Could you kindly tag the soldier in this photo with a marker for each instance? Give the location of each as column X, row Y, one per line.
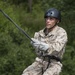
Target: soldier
column 49, row 44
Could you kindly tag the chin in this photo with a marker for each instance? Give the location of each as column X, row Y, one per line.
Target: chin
column 48, row 27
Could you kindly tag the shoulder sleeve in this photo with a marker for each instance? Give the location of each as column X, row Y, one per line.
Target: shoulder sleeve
column 36, row 35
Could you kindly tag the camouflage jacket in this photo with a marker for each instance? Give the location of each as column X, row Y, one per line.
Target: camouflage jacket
column 56, row 39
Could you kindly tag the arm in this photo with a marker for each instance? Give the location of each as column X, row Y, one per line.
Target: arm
column 56, row 45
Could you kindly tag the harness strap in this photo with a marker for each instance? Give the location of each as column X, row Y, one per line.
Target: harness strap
column 49, row 58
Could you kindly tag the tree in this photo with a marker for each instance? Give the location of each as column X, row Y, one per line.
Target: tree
column 30, row 5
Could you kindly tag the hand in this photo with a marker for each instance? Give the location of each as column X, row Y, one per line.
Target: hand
column 40, row 45
column 43, row 46
column 35, row 43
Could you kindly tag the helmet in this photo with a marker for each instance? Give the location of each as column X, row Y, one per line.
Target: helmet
column 53, row 13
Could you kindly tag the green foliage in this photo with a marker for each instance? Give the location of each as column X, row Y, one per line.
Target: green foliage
column 16, row 52
column 68, row 61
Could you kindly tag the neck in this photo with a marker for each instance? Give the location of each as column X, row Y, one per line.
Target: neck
column 47, row 30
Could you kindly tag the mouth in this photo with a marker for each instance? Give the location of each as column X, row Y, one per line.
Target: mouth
column 48, row 24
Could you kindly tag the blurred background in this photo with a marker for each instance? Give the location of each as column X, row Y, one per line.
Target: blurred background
column 16, row 52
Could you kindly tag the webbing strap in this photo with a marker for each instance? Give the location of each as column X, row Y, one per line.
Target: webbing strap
column 49, row 58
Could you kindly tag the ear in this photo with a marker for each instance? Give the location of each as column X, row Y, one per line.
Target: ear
column 57, row 21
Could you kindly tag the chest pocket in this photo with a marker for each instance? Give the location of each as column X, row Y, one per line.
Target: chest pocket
column 52, row 38
column 47, row 39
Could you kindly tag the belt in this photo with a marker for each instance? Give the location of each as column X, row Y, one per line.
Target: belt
column 49, row 60
column 52, row 57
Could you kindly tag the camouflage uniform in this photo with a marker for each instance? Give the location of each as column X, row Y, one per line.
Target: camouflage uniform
column 56, row 39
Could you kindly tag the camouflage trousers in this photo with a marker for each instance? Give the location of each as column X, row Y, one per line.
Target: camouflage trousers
column 36, row 68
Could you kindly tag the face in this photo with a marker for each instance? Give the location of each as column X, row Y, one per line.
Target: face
column 50, row 22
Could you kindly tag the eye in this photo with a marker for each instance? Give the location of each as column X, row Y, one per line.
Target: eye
column 51, row 18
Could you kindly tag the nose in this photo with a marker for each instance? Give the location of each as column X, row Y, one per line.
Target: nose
column 48, row 20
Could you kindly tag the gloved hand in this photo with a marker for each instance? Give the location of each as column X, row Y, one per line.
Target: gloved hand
column 43, row 46
column 35, row 43
column 40, row 45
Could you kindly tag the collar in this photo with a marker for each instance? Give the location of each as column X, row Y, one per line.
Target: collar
column 51, row 33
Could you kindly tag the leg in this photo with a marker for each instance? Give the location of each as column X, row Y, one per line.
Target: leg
column 53, row 70
column 34, row 69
